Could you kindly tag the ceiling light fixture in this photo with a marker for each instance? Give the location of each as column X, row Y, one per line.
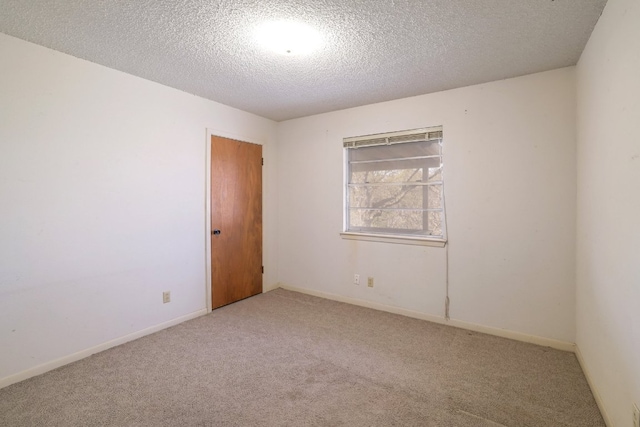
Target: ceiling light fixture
column 288, row 37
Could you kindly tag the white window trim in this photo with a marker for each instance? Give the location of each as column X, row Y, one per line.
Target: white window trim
column 396, row 238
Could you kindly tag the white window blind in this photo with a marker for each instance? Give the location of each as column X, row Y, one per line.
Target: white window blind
column 394, row 184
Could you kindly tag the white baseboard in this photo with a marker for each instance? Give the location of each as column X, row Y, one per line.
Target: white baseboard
column 504, row 333
column 48, row 366
column 594, row 390
column 269, row 288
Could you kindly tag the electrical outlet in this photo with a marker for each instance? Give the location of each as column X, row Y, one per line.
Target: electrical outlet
column 356, row 279
column 636, row 416
column 370, row 282
column 166, row 297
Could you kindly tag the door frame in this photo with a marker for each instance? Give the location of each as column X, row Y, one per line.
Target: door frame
column 207, row 202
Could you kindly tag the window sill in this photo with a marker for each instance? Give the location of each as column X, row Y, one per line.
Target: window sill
column 402, row 240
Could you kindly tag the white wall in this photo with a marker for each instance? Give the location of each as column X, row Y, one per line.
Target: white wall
column 510, row 185
column 608, row 249
column 102, row 201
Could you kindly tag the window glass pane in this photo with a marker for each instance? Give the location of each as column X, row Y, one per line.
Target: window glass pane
column 386, row 221
column 434, row 174
column 387, row 196
column 435, row 223
column 410, row 222
column 434, row 196
column 394, row 175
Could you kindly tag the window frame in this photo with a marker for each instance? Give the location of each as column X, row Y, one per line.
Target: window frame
column 394, row 235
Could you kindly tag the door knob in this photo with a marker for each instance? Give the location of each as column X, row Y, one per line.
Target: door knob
column 216, row 232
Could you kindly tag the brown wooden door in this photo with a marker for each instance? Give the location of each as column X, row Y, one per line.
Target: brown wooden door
column 236, row 220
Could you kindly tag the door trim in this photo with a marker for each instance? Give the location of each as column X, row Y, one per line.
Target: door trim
column 207, row 201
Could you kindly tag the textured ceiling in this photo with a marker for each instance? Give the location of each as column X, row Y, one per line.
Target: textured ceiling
column 372, row 51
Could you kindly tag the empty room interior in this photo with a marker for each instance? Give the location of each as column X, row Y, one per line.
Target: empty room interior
column 323, row 213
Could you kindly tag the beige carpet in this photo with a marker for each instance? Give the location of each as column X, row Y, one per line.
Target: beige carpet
column 288, row 359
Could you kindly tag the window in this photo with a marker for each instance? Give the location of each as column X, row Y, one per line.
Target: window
column 394, row 185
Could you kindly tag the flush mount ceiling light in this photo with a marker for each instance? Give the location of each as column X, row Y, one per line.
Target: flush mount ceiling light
column 288, row 37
